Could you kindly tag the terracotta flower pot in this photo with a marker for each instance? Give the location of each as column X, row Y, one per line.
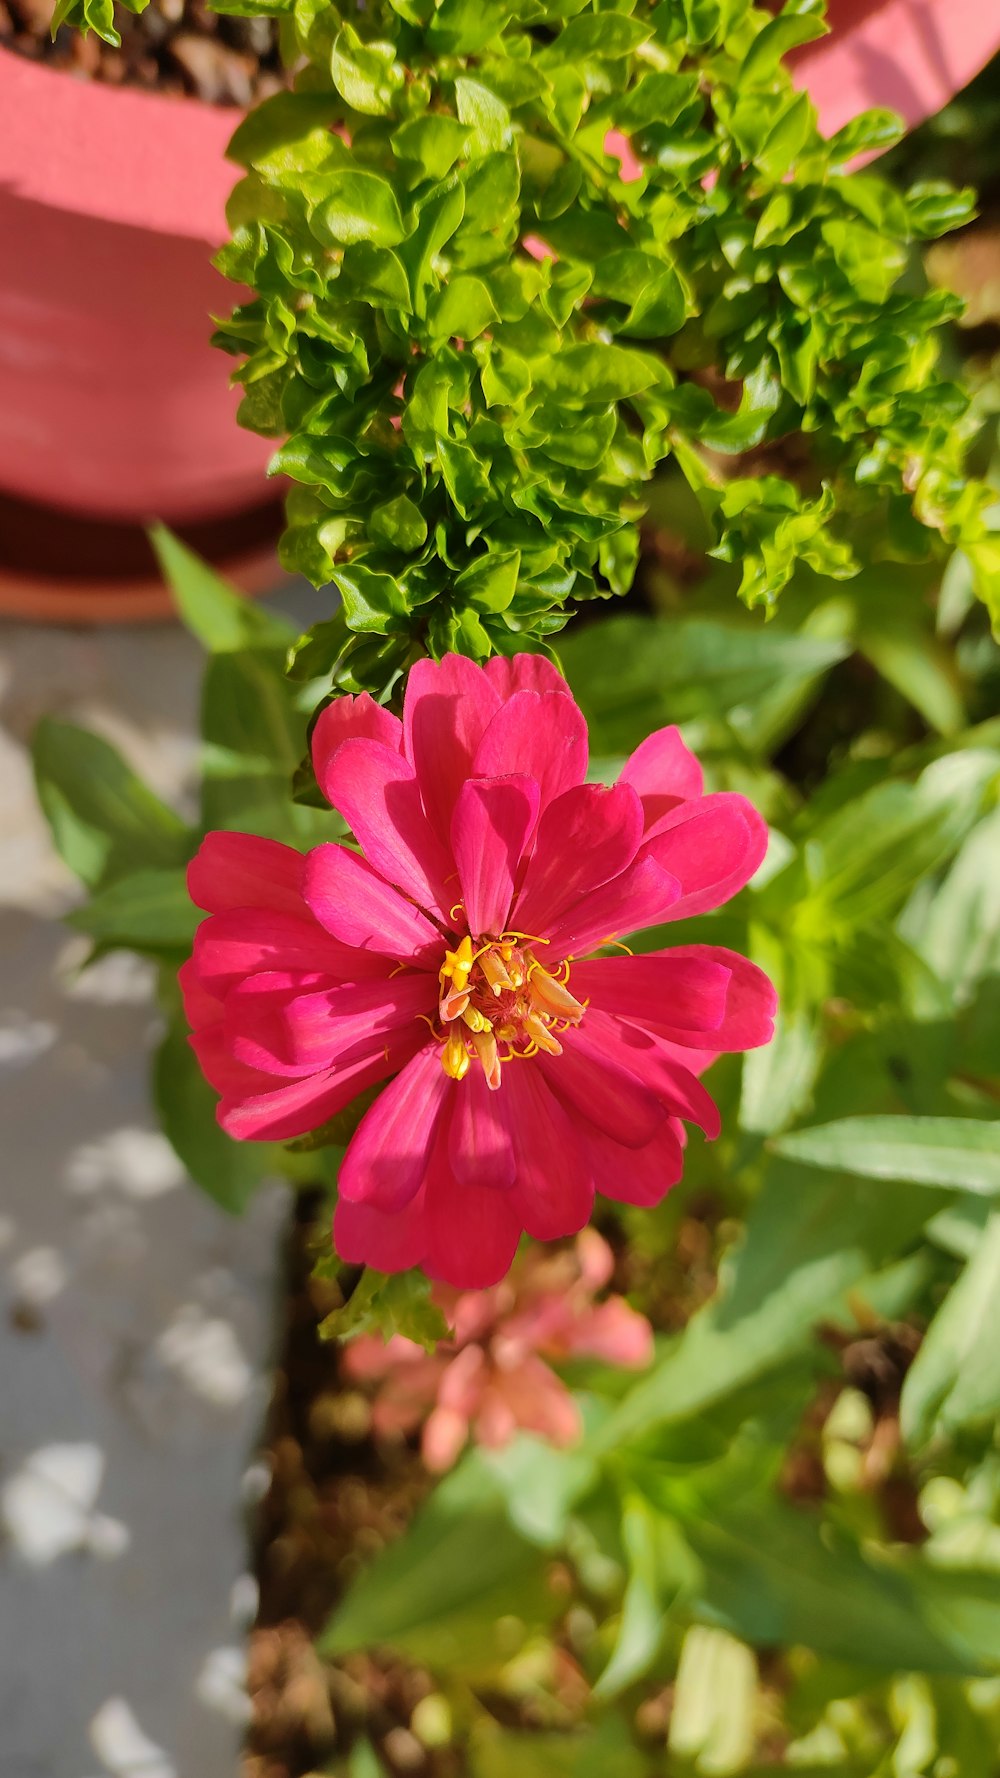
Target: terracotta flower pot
column 113, row 404
column 910, row 55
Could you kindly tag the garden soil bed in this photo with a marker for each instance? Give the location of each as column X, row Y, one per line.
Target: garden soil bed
column 336, row 1496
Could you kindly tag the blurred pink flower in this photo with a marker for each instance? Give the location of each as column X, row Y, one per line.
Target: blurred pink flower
column 492, row 1379
column 455, row 952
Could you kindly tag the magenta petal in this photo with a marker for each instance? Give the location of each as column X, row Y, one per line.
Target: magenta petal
column 590, row 1078
column 493, row 820
column 712, row 847
column 447, row 707
column 525, row 672
column 680, row 993
column 233, row 945
column 354, row 903
column 280, row 1029
column 587, row 836
column 664, row 772
column 541, row 733
column 390, row 1241
column 201, row 1006
column 653, row 1061
column 480, row 1145
column 351, row 719
column 751, row 1001
column 642, row 896
column 377, row 793
column 553, row 1191
column 240, row 870
column 635, row 1175
column 388, row 1154
column 471, row 1231
column 303, row 1105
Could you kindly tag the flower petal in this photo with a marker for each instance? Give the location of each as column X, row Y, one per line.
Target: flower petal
column 635, row 1175
column 641, row 896
column 664, row 772
column 524, row 672
column 553, row 1190
column 591, row 1079
column 751, row 1001
column 472, row 1232
column 350, row 719
column 587, row 836
column 652, row 1061
column 679, row 993
column 391, row 1241
column 272, row 1025
column 353, row 902
column 541, row 733
column 712, row 847
column 387, row 1158
column 229, row 946
column 305, row 1105
column 377, row 793
column 480, row 1143
column 446, row 709
column 493, row 820
column 240, row 870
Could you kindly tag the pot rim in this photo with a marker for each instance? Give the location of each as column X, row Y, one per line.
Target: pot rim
column 143, row 160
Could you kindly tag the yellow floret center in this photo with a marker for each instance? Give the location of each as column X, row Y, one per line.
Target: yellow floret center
column 499, row 1004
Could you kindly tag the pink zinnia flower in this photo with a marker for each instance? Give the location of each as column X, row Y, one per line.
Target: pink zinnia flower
column 456, row 953
column 491, row 1379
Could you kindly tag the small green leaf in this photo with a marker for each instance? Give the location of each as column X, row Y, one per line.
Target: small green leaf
column 148, row 911
column 219, row 616
column 388, row 1305
column 105, row 822
column 229, row 1172
column 359, row 207
column 954, row 1380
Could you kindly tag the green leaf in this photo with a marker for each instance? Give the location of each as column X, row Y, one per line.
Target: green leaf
column 359, row 207
column 463, row 309
column 254, row 737
column 632, row 674
column 774, row 1577
column 399, row 524
column 148, row 911
column 954, row 1381
column 605, row 1750
column 373, row 603
column 388, row 1304
column 959, row 1152
column 229, row 1172
column 440, row 1593
column 482, row 111
column 218, row 615
column 811, row 1249
column 105, row 822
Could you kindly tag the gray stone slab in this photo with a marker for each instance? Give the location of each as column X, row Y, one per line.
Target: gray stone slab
column 135, row 1318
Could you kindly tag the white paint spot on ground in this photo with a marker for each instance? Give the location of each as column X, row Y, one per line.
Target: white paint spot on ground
column 138, row 1163
column 47, row 1507
column 125, row 1750
column 204, row 1351
column 222, row 1685
column 38, row 1276
column 23, row 1039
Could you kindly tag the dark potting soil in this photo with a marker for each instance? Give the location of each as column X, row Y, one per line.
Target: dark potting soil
column 177, row 47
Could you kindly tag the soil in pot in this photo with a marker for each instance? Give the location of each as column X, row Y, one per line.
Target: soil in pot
column 174, row 47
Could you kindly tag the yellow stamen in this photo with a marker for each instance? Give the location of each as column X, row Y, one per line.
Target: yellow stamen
column 455, row 1058
column 541, row 1035
column 552, row 996
column 474, row 1019
column 485, row 1045
column 495, row 971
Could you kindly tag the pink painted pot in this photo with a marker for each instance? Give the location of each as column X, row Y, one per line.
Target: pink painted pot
column 112, row 402
column 910, row 55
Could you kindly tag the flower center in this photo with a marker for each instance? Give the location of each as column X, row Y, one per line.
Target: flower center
column 498, row 1004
